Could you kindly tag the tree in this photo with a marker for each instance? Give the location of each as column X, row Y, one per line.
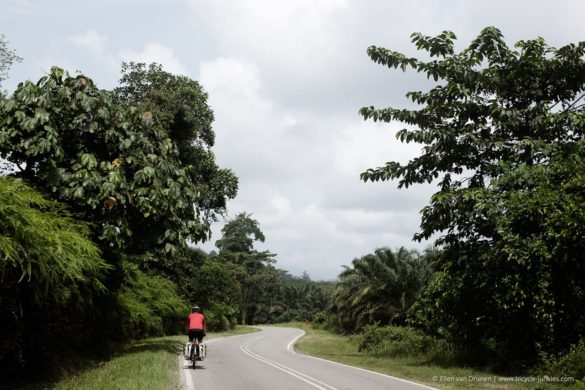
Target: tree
column 239, row 235
column 115, row 163
column 381, row 287
column 7, row 58
column 254, row 271
column 503, row 139
column 179, row 104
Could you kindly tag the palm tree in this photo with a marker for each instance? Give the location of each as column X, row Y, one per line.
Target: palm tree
column 381, row 287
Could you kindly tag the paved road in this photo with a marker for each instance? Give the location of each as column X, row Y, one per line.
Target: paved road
column 266, row 361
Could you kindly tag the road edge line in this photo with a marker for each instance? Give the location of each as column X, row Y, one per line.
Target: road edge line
column 290, row 347
column 186, row 379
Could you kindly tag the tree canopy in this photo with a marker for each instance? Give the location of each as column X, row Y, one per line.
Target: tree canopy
column 180, row 105
column 119, row 163
column 503, row 137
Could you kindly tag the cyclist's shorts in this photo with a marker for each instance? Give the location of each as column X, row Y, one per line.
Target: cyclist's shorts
column 195, row 333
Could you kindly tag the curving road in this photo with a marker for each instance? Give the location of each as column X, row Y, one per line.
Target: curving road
column 266, row 361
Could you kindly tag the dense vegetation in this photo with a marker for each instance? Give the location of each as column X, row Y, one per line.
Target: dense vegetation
column 503, row 138
column 105, row 188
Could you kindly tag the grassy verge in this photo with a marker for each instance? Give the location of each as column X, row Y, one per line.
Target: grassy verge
column 148, row 364
column 343, row 349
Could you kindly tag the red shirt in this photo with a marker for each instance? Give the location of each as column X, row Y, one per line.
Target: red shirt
column 196, row 321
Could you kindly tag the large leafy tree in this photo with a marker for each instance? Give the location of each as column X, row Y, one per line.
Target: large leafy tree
column 179, row 104
column 114, row 162
column 503, row 137
column 255, row 273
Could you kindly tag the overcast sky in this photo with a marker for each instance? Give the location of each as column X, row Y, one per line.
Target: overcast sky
column 286, row 80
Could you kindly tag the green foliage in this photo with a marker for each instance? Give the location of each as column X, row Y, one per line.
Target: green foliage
column 113, row 162
column 50, row 273
column 572, row 364
column 239, row 234
column 152, row 305
column 394, row 341
column 256, row 276
column 220, row 316
column 136, row 165
column 503, row 138
column 213, row 286
column 42, row 248
column 300, row 299
column 381, row 287
column 320, row 317
column 404, row 341
column 179, row 104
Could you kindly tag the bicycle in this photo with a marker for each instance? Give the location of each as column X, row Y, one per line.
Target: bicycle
column 198, row 354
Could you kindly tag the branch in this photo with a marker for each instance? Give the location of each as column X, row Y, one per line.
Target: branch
column 572, row 104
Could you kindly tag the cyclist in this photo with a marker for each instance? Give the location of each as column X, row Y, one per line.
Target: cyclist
column 196, row 329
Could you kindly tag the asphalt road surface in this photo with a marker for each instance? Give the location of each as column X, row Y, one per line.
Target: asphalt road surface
column 266, row 361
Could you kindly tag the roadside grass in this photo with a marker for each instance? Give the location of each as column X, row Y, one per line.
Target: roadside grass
column 344, row 349
column 146, row 364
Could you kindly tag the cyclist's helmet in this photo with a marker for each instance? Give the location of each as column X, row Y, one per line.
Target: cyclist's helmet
column 195, row 308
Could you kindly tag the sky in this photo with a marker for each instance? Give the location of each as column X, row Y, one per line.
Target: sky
column 286, row 80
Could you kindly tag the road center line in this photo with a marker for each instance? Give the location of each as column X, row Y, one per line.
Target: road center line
column 292, row 372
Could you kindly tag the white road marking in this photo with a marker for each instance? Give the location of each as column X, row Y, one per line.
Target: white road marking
column 186, row 373
column 290, row 347
column 292, row 372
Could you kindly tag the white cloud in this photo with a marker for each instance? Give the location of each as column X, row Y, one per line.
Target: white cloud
column 263, row 30
column 96, row 45
column 155, row 52
column 92, row 41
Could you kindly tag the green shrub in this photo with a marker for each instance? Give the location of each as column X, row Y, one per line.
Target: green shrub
column 395, row 341
column 220, row 316
column 320, row 317
column 152, row 304
column 326, row 321
column 570, row 365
